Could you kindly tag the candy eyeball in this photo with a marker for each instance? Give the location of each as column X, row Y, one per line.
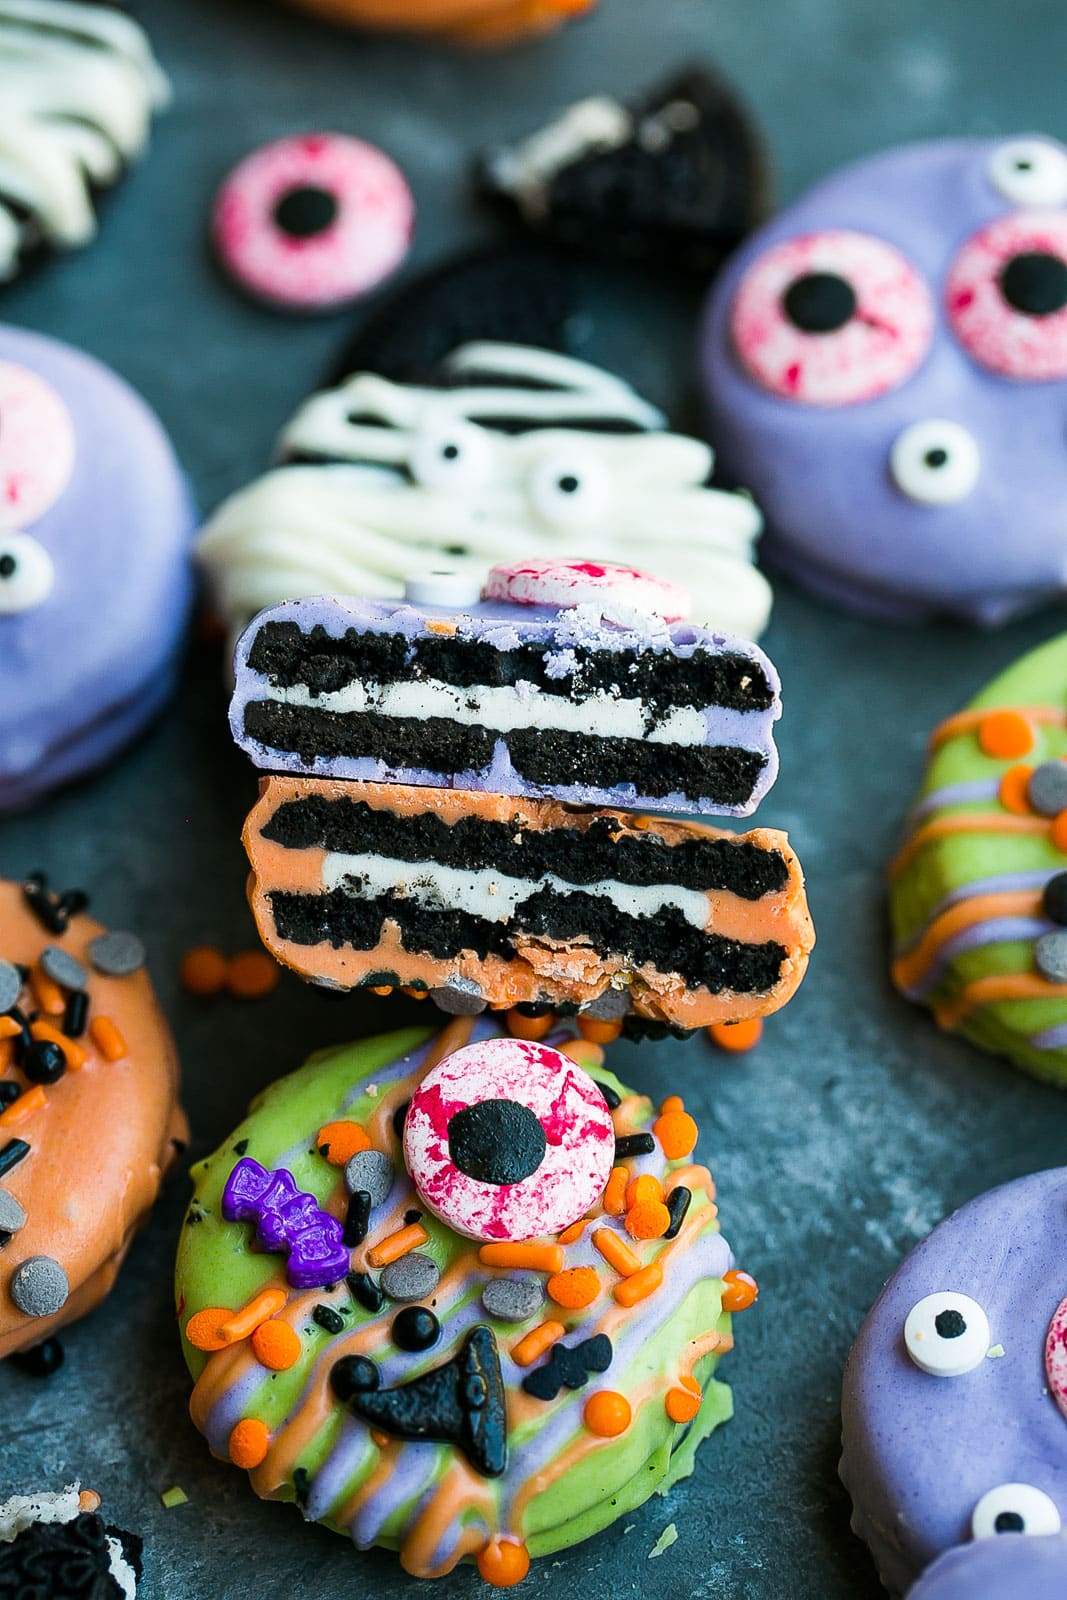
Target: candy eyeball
column 1030, row 172
column 1014, row 1508
column 947, row 1334
column 831, row 319
column 615, row 588
column 935, row 462
column 26, row 573
column 569, row 488
column 36, row 447
column 508, row 1140
column 451, row 454
column 457, row 590
column 1006, row 296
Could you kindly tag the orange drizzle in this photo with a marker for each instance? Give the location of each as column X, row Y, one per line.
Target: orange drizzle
column 988, row 991
column 911, row 968
column 963, row 822
column 970, row 721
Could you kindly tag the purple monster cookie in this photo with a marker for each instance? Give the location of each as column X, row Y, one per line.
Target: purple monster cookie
column 955, row 1394
column 886, row 369
column 96, row 525
column 997, row 1569
column 574, row 681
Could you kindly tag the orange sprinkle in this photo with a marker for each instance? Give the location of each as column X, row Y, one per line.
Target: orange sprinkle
column 607, row 1413
column 33, row 1100
column 202, row 1331
column 575, row 1288
column 107, row 1038
column 204, row 970
column 252, row 974
column 75, row 1056
column 584, row 1052
column 538, row 1257
column 397, row 1244
column 1014, row 787
column 650, row 1219
column 276, row 1346
column 338, row 1142
column 416, row 994
column 615, row 1191
column 598, row 1029
column 249, row 1443
column 521, row 1026
column 682, row 1405
column 1059, row 831
column 443, row 625
column 503, row 1563
column 1005, row 735
column 673, row 1102
column 248, row 1319
column 677, row 1133
column 381, row 988
column 48, row 994
column 536, row 1342
column 572, row 1234
column 737, row 1037
column 9, row 1028
column 616, row 1252
column 382, row 1440
column 7, row 1054
column 89, row 1501
column 642, row 1189
column 640, row 1285
column 741, row 1290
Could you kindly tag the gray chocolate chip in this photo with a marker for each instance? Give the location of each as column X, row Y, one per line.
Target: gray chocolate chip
column 12, row 1216
column 117, row 954
column 513, row 1299
column 10, row 986
column 461, row 997
column 39, row 1286
column 1047, row 789
column 1050, row 955
column 609, row 1006
column 413, row 1277
column 62, row 968
column 372, row 1171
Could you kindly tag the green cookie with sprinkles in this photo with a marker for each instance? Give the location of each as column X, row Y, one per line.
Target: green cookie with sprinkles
column 458, row 1295
column 979, row 887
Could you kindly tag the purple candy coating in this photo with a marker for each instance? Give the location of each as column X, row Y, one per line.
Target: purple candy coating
column 836, row 521
column 84, row 671
column 1004, row 1568
column 287, row 1220
column 919, row 1452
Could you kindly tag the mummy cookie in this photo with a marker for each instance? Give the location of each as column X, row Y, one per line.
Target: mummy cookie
column 979, row 886
column 564, row 684
column 677, row 176
column 96, row 531
column 89, row 1114
column 79, row 87
column 470, row 22
column 312, row 222
column 886, row 369
column 511, row 449
column 955, row 1401
column 485, row 1399
column 56, row 1544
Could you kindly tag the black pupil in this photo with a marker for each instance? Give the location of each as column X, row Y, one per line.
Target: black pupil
column 8, row 564
column 1035, row 283
column 1009, row 1522
column 569, row 484
column 819, row 302
column 1023, row 166
column 936, row 458
column 496, row 1141
column 306, row 211
column 950, row 1324
column 450, row 452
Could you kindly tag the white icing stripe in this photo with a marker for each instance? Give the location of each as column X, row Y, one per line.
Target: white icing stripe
column 590, row 127
column 503, row 709
column 492, row 895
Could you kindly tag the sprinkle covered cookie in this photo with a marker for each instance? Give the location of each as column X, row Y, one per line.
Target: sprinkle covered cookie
column 490, row 1394
column 56, row 1546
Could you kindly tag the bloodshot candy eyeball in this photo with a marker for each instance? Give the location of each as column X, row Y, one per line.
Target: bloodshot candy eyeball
column 509, row 1140
column 886, row 370
column 312, row 222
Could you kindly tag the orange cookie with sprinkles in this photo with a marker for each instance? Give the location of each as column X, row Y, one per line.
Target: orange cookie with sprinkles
column 458, row 1295
column 89, row 1114
column 979, row 886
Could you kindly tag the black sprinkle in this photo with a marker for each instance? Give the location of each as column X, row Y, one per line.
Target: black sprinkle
column 614, row 1100
column 48, row 911
column 357, row 1218
column 5, row 1238
column 9, row 1091
column 398, row 1119
column 353, row 1375
column 569, row 1367
column 678, row 1203
column 240, row 1147
column 301, row 1485
column 193, row 1216
column 14, row 1151
column 328, row 1318
column 415, row 1328
column 411, row 1217
column 77, row 1014
column 41, row 1361
column 634, row 1144
column 44, row 1061
column 366, row 1290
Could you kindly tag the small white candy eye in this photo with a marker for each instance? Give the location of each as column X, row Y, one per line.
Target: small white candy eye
column 443, row 589
column 26, row 573
column 1014, row 1508
column 935, row 462
column 1030, row 172
column 450, row 454
column 569, row 489
column 947, row 1334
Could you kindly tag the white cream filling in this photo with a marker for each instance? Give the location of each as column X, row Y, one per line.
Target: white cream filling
column 503, row 709
column 484, row 892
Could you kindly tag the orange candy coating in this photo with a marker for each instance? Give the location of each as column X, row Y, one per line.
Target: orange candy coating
column 522, row 1027
column 252, row 974
column 740, row 1290
column 737, row 1037
column 338, row 1142
column 503, row 1563
column 677, row 1133
column 1005, row 735
column 276, row 1346
column 607, row 1413
column 1014, row 787
column 203, row 970
column 575, row 1288
column 249, row 1443
column 649, row 1219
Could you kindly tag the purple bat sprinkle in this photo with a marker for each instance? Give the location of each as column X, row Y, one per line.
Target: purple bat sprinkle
column 287, row 1222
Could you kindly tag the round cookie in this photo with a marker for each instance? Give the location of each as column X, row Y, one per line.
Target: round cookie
column 56, row 1544
column 886, row 369
column 978, row 893
column 540, row 1422
column 471, row 22
column 932, row 1462
column 96, row 528
column 89, row 1117
column 997, row 1569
